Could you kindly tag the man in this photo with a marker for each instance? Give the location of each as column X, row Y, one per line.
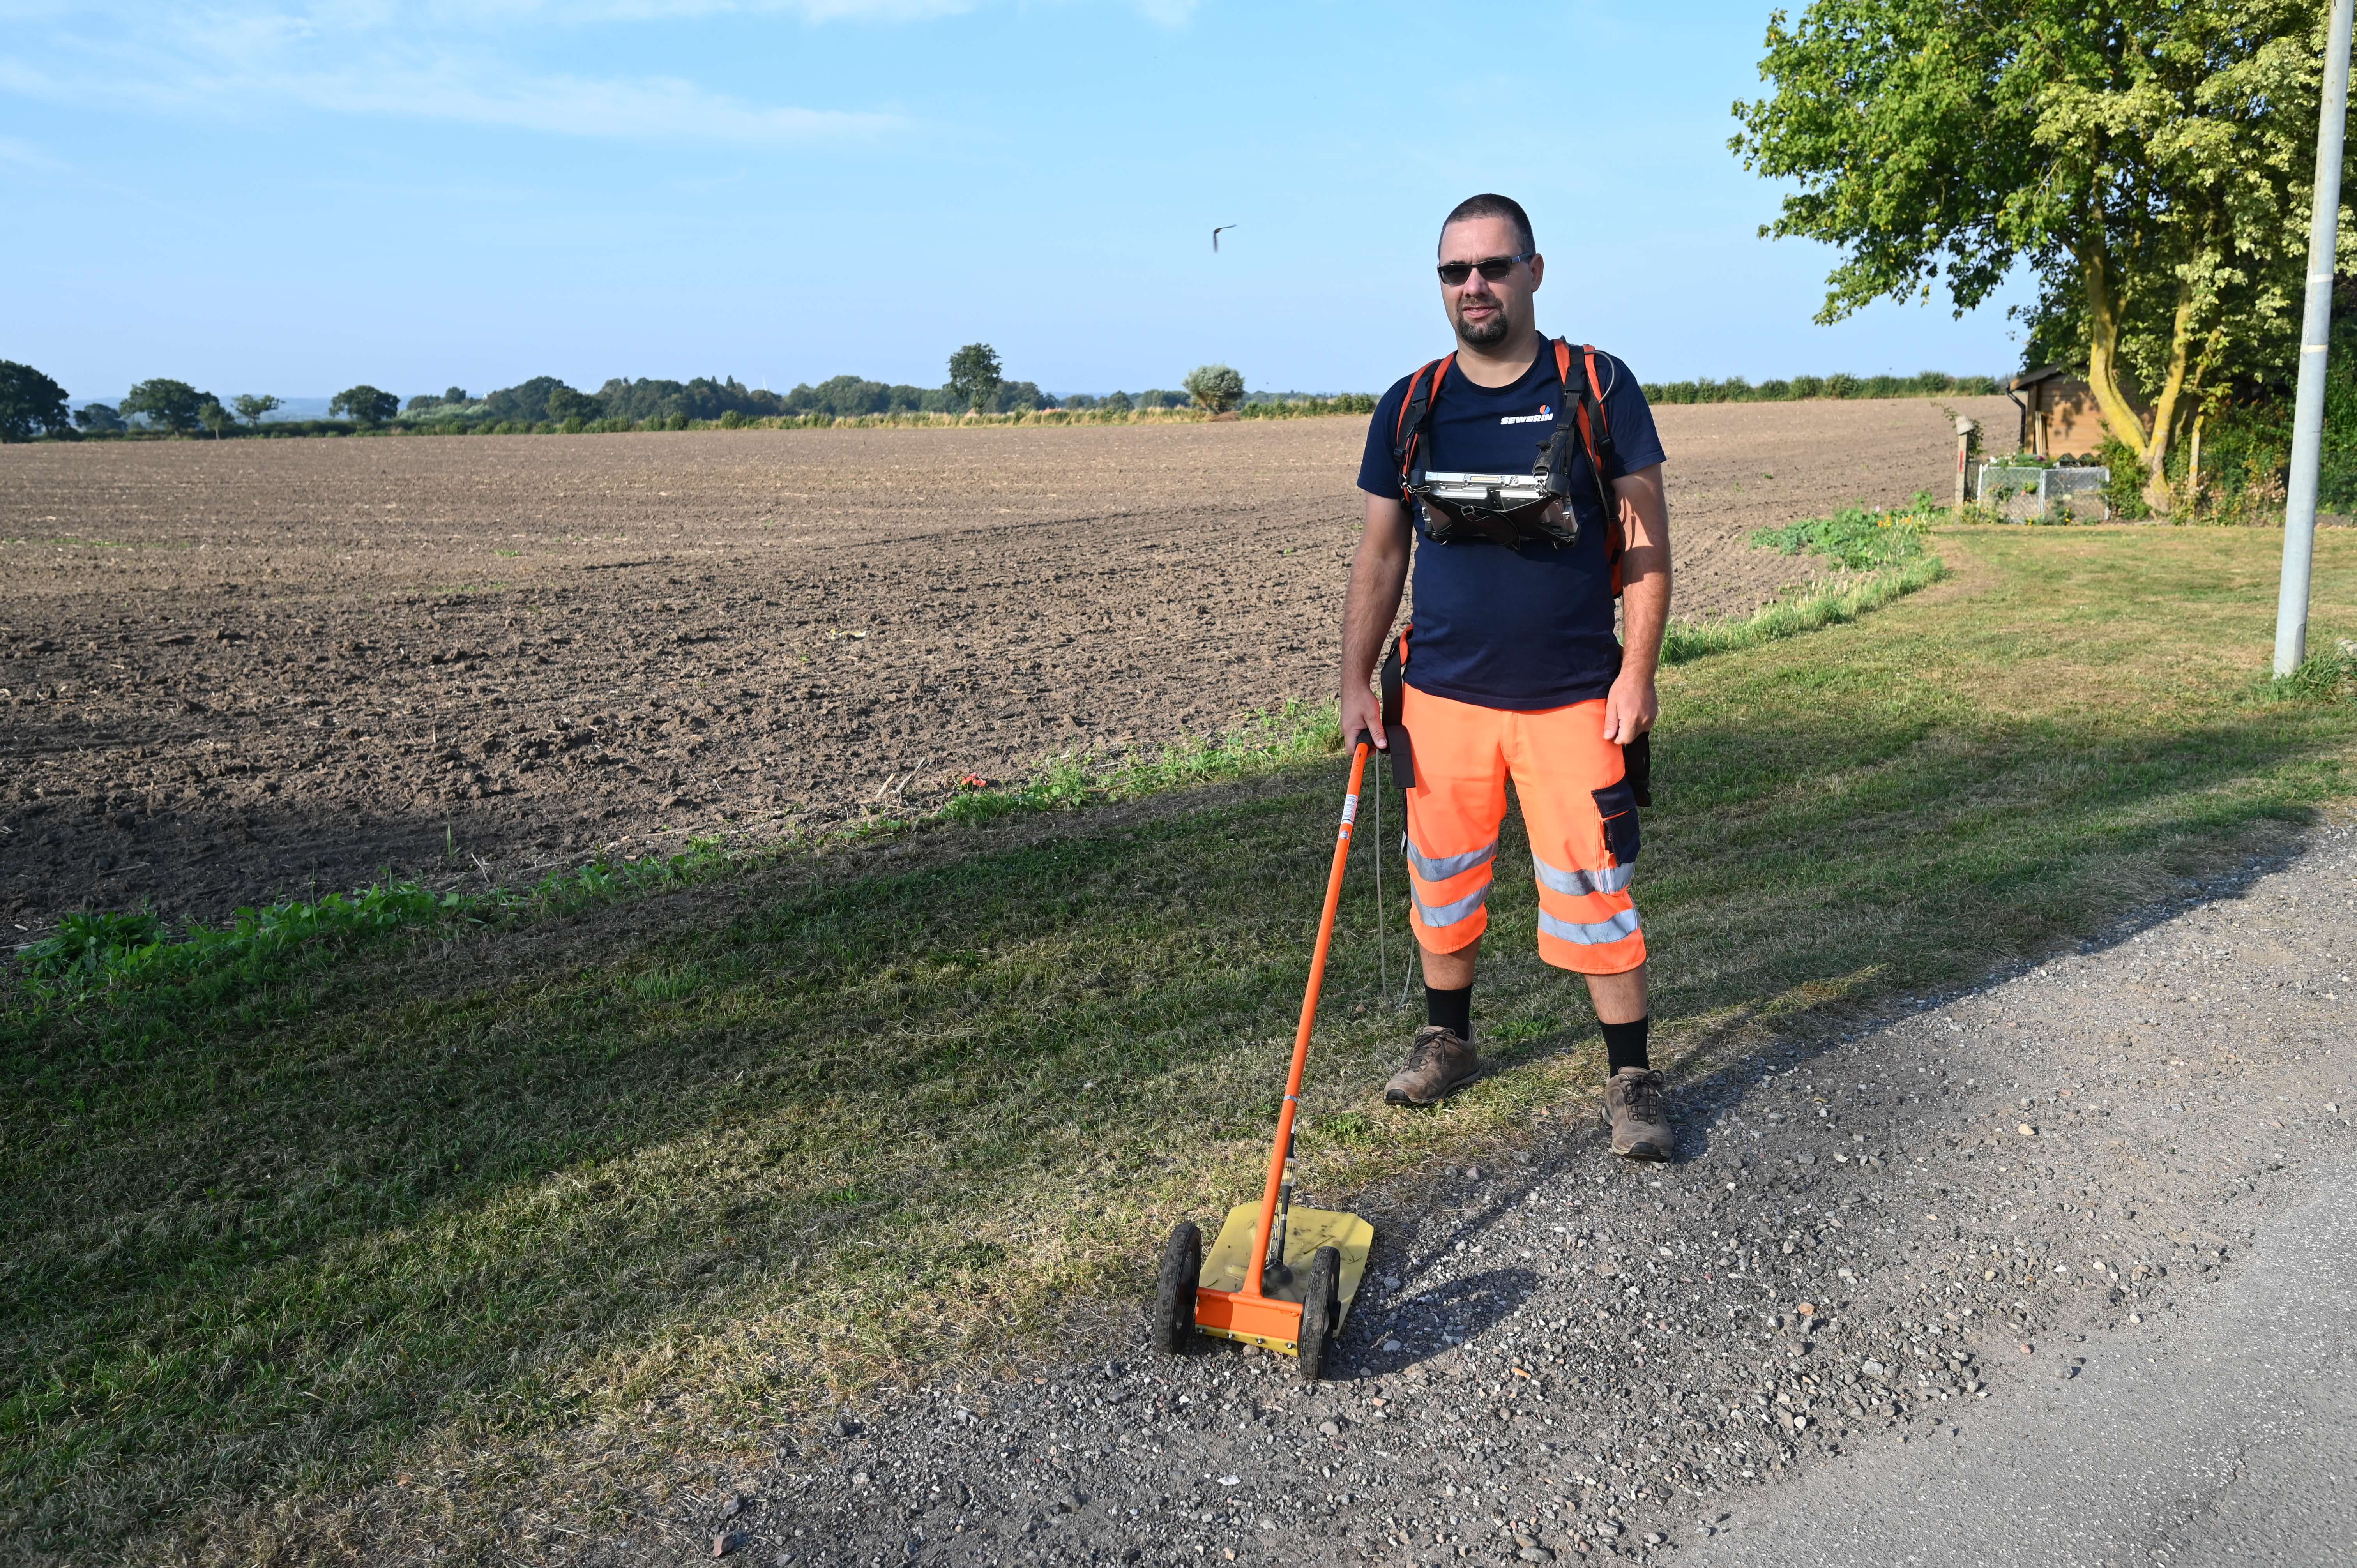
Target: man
column 1511, row 666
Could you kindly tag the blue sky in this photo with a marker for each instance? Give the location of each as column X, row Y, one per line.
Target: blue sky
column 293, row 198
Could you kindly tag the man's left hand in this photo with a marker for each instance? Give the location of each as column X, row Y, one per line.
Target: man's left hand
column 1630, row 708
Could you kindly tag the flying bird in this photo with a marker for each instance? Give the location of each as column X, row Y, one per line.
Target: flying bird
column 1218, row 232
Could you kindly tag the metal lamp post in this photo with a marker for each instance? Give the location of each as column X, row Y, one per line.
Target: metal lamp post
column 2316, row 327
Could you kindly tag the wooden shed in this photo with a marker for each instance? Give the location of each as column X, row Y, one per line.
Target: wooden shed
column 2058, row 414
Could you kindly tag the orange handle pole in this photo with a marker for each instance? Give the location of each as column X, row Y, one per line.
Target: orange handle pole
column 1309, row 1017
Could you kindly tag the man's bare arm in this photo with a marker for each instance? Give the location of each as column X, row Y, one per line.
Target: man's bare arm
column 1378, row 573
column 1632, row 707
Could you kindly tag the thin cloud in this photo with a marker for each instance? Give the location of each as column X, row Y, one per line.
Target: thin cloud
column 1170, row 13
column 258, row 61
column 654, row 109
column 688, row 10
column 25, row 155
column 426, row 60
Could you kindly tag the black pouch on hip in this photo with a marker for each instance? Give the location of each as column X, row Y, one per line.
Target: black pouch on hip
column 1637, row 758
column 1389, row 683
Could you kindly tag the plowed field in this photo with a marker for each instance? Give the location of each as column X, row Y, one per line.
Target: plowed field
column 235, row 668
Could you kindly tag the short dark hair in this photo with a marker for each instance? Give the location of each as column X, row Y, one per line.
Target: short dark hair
column 1490, row 204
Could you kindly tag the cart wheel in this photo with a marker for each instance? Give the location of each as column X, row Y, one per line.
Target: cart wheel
column 1174, row 1290
column 1318, row 1304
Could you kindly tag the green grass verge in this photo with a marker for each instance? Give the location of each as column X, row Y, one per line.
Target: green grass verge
column 133, row 963
column 1883, row 556
column 527, row 1215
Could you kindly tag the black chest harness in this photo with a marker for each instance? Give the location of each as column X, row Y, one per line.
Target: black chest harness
column 1511, row 510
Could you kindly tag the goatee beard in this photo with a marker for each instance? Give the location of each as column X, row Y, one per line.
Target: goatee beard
column 1482, row 337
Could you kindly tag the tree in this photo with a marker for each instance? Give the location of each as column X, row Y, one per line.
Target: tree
column 170, row 404
column 367, row 407
column 565, row 405
column 2147, row 162
column 1215, row 388
column 254, row 410
column 973, row 375
column 215, row 418
column 99, row 417
column 30, row 404
column 1010, row 397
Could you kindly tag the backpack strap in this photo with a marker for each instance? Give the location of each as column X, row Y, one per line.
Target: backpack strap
column 1581, row 408
column 1602, row 458
column 1415, row 414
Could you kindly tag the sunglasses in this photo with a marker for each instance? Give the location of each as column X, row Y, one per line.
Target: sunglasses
column 1495, row 269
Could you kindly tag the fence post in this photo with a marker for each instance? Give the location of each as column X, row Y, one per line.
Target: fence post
column 1965, row 431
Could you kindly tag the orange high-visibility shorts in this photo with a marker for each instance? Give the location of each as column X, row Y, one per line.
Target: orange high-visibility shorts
column 1577, row 801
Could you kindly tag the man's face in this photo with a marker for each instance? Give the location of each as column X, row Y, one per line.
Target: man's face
column 1485, row 313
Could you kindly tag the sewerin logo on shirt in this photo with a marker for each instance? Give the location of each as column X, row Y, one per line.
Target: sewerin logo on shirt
column 1542, row 414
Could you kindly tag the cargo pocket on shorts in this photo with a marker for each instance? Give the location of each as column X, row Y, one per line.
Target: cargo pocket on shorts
column 1617, row 804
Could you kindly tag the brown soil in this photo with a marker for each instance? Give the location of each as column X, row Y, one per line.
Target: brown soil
column 231, row 670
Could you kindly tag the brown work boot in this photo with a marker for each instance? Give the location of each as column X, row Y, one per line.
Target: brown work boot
column 1437, row 1062
column 1641, row 1128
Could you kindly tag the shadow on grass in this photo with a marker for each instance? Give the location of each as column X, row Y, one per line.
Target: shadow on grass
column 848, row 1131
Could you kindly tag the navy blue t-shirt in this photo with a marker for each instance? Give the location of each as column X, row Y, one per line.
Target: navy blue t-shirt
column 1530, row 628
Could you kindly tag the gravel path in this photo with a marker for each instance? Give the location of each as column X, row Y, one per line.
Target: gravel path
column 1875, row 1246
column 2211, row 1436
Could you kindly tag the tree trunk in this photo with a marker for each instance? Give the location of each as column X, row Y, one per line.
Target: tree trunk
column 2193, row 468
column 2164, row 407
column 2104, row 310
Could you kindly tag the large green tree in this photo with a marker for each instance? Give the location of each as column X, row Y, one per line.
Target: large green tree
column 170, row 404
column 1216, row 388
column 31, row 403
column 974, row 375
column 566, row 404
column 2147, row 162
column 366, row 405
column 255, row 407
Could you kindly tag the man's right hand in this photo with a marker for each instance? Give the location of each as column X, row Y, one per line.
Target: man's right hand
column 1362, row 711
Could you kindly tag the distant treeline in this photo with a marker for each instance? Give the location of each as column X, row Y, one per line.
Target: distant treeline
column 1735, row 389
column 651, row 403
column 406, row 426
column 31, row 404
column 546, row 405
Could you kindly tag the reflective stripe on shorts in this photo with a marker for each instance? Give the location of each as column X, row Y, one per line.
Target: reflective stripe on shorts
column 1624, row 924
column 1611, row 879
column 1448, row 866
column 1438, row 915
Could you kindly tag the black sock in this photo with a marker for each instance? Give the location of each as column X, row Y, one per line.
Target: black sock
column 1452, row 1010
column 1624, row 1046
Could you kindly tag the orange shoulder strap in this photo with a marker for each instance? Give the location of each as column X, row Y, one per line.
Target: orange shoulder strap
column 1415, row 409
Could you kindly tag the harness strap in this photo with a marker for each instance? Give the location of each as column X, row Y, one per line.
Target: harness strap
column 1596, row 432
column 1578, row 407
column 1416, row 412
